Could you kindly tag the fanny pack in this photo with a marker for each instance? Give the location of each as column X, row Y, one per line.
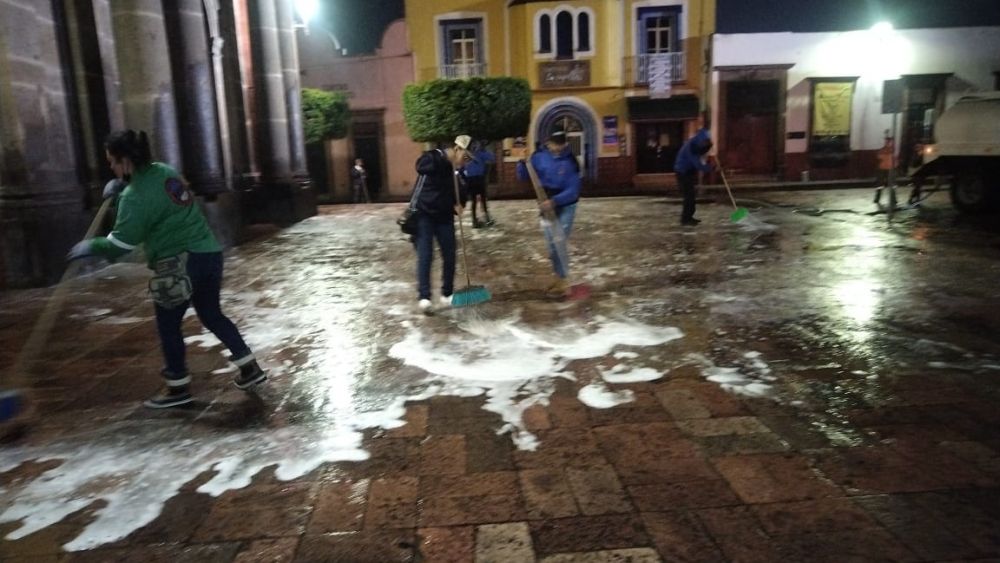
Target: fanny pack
column 170, row 287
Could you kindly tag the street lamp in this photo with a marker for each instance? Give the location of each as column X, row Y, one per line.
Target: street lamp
column 307, row 10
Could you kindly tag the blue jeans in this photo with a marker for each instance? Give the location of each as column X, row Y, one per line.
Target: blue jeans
column 559, row 253
column 427, row 231
column 205, row 271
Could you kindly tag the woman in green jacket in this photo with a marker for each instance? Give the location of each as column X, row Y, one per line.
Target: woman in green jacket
column 157, row 210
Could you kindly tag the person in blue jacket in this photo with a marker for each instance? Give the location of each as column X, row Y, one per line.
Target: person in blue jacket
column 690, row 161
column 559, row 174
column 476, row 170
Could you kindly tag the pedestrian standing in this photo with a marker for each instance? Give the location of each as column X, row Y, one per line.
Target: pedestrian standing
column 691, row 160
column 436, row 208
column 359, row 182
column 156, row 209
column 476, row 172
column 559, row 173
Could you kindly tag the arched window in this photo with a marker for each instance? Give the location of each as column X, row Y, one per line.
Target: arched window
column 583, row 31
column 564, row 35
column 545, row 34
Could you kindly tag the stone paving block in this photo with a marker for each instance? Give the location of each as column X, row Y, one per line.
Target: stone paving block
column 681, row 496
column 392, row 503
column 636, row 555
column 179, row 519
column 536, row 417
column 812, row 516
column 447, row 545
column 567, row 412
column 643, row 408
column 738, row 534
column 837, row 547
column 682, row 404
column 488, row 452
column 736, row 444
column 660, row 467
column 916, row 527
column 171, row 553
column 547, row 494
column 765, row 478
column 280, row 550
column 976, row 527
column 561, row 447
column 416, row 423
column 588, row 533
column 722, row 426
column 340, row 507
column 504, row 543
column 481, row 509
column 390, row 546
column 443, row 455
column 680, row 537
column 597, row 490
column 266, row 511
column 878, row 469
column 389, row 456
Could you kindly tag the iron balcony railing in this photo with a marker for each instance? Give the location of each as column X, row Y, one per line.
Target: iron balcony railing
column 465, row 70
column 637, row 68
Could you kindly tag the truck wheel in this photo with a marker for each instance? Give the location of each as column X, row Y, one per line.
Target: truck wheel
column 970, row 194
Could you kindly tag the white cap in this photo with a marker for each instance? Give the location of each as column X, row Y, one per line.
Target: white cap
column 463, row 142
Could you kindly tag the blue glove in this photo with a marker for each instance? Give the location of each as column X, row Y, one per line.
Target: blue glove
column 113, row 188
column 81, row 249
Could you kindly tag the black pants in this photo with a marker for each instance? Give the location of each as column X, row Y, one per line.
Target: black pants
column 205, row 271
column 477, row 187
column 688, row 183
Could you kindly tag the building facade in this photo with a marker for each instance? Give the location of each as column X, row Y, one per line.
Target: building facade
column 215, row 83
column 624, row 78
column 377, row 133
column 797, row 100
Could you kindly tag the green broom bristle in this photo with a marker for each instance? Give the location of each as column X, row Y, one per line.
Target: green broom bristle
column 473, row 295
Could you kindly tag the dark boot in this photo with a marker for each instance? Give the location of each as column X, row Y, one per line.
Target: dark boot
column 250, row 374
column 174, row 394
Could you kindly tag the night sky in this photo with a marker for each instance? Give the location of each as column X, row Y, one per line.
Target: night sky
column 755, row 16
column 359, row 24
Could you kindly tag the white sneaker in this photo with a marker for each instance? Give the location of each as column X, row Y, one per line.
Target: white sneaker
column 446, row 301
column 425, row 305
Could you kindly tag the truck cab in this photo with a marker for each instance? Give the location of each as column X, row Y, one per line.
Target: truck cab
column 966, row 149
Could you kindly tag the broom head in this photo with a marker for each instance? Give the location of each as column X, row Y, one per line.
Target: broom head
column 739, row 215
column 472, row 295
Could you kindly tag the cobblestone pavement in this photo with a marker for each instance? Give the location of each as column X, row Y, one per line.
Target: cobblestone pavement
column 814, row 384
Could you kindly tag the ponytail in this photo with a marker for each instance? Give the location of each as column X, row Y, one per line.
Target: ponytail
column 129, row 144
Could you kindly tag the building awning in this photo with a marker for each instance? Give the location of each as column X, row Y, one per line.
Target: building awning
column 643, row 108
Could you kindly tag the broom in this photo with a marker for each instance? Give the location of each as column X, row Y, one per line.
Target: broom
column 472, row 294
column 14, row 403
column 577, row 291
column 739, row 213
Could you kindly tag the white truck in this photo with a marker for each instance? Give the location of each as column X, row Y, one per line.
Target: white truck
column 966, row 149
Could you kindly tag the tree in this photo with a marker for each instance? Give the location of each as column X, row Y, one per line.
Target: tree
column 326, row 115
column 484, row 108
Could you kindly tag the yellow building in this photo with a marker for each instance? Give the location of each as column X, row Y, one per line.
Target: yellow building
column 623, row 77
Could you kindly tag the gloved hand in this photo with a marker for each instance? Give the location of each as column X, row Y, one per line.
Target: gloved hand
column 113, row 188
column 81, row 249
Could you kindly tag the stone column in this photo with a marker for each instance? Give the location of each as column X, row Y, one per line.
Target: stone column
column 272, row 111
column 146, row 78
column 40, row 197
column 199, row 119
column 293, row 88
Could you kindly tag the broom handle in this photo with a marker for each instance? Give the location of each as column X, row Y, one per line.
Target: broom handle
column 461, row 231
column 726, row 183
column 43, row 326
column 539, row 192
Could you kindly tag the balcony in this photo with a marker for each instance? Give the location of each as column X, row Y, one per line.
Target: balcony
column 465, row 70
column 637, row 68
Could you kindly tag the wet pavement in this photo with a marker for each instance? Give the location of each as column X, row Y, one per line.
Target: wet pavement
column 814, row 384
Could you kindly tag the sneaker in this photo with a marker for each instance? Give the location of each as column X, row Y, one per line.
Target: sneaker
column 559, row 288
column 478, row 225
column 250, row 374
column 490, row 222
column 690, row 222
column 425, row 306
column 445, row 300
column 175, row 394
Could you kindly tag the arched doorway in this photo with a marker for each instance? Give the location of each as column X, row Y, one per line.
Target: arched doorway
column 581, row 132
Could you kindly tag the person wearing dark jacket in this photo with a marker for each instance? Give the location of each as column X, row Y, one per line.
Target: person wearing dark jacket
column 436, row 207
column 690, row 161
column 359, row 182
column 559, row 173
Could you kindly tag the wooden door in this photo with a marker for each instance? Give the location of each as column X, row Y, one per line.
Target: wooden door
column 750, row 144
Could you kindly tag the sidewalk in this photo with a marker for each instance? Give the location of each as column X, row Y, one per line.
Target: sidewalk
column 802, row 388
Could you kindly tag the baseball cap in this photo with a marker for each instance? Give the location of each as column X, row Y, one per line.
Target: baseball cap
column 463, row 141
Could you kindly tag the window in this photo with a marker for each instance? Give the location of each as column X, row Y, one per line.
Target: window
column 830, row 135
column 659, row 30
column 462, row 49
column 545, row 34
column 564, row 35
column 658, row 33
column 583, row 31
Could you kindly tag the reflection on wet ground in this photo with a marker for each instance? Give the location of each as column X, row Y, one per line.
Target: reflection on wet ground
column 801, row 382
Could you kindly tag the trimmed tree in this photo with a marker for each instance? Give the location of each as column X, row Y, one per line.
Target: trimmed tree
column 484, row 108
column 326, row 115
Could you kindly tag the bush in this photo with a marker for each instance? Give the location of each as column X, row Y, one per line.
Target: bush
column 484, row 108
column 325, row 113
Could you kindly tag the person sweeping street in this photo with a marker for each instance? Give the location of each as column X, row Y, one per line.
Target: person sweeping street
column 436, row 206
column 156, row 209
column 690, row 161
column 559, row 174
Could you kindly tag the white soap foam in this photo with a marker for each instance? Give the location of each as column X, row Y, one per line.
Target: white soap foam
column 597, row 396
column 633, row 375
column 750, row 380
column 626, row 355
